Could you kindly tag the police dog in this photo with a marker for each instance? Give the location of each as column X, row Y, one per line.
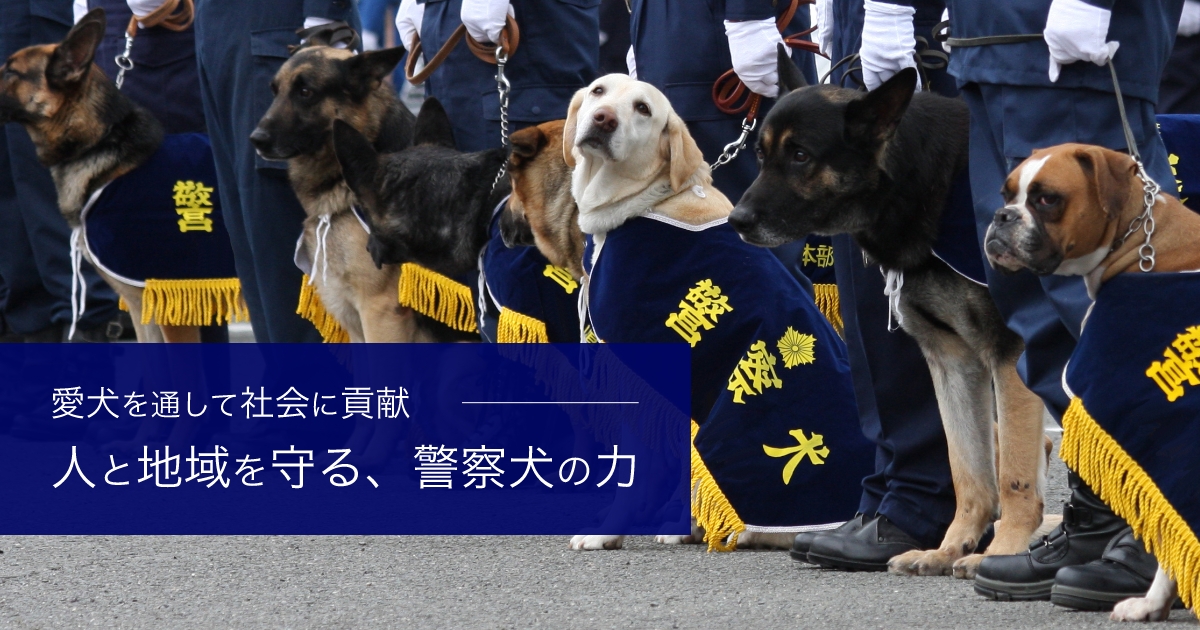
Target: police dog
column 85, row 131
column 316, row 86
column 429, row 204
column 541, row 211
column 878, row 167
column 1066, row 212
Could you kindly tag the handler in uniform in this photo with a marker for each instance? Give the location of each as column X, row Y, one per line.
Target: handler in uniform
column 239, row 47
column 1037, row 94
column 909, row 501
column 35, row 260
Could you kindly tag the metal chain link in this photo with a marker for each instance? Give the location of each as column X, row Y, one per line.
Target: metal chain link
column 1150, row 188
column 124, row 61
column 502, row 87
column 731, row 150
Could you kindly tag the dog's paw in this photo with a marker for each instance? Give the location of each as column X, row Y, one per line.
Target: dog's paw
column 594, row 542
column 1139, row 609
column 917, row 562
column 676, row 540
column 765, row 540
column 966, row 568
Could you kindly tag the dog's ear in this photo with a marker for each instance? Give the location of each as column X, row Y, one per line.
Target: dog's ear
column 526, row 144
column 368, row 69
column 685, row 156
column 72, row 59
column 358, row 158
column 790, row 77
column 1111, row 177
column 872, row 119
column 569, row 126
column 433, row 125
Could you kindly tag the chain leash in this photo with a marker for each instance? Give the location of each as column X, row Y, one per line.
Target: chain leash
column 502, row 87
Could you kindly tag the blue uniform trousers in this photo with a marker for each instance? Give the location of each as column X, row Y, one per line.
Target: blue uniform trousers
column 35, row 261
column 239, row 47
column 898, row 410
column 1007, row 124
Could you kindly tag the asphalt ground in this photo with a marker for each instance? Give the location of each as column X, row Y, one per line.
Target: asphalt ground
column 474, row 582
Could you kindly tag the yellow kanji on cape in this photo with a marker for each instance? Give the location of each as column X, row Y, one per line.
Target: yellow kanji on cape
column 812, row 447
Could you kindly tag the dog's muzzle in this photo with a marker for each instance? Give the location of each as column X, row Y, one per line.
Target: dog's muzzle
column 1011, row 245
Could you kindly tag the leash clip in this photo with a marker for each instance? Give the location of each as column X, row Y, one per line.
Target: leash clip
column 731, row 150
column 124, row 61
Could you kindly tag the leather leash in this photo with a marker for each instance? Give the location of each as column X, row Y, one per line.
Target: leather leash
column 510, row 38
column 730, row 94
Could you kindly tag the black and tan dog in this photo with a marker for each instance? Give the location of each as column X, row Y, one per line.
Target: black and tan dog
column 541, row 211
column 879, row 167
column 317, row 85
column 429, row 204
column 85, row 131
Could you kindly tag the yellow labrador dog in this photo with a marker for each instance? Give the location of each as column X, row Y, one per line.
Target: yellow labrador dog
column 632, row 155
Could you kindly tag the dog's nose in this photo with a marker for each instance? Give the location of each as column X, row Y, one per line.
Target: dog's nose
column 1006, row 215
column 605, row 119
column 261, row 139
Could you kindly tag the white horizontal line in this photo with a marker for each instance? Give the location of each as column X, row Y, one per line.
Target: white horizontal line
column 545, row 402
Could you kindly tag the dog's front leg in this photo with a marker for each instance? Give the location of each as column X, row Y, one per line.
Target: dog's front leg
column 964, row 393
column 1022, row 468
column 1155, row 606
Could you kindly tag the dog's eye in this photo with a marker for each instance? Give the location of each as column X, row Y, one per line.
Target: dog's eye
column 305, row 92
column 642, row 109
column 800, row 157
column 1047, row 200
column 598, row 90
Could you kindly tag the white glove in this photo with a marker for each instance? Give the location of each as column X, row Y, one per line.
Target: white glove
column 142, row 8
column 946, row 18
column 310, row 22
column 888, row 43
column 631, row 63
column 409, row 18
column 752, row 46
column 825, row 26
column 79, row 9
column 484, row 19
column 1075, row 31
column 1189, row 22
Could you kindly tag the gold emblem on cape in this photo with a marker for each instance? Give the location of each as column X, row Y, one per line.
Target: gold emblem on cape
column 1180, row 364
column 821, row 256
column 193, row 203
column 796, row 348
column 562, row 277
column 811, row 447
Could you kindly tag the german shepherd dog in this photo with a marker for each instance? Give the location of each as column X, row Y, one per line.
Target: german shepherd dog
column 879, row 167
column 428, row 204
column 317, row 85
column 85, row 131
column 542, row 211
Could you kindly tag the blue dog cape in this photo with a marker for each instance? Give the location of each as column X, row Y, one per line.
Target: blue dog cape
column 160, row 227
column 776, row 441
column 1133, row 428
column 538, row 301
column 1181, row 135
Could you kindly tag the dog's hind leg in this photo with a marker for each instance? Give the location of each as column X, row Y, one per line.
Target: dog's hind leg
column 180, row 334
column 1022, row 468
column 963, row 386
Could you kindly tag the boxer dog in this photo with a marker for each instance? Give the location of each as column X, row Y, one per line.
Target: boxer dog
column 879, row 166
column 1067, row 210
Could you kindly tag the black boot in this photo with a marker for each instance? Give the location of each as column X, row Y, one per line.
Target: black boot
column 867, row 549
column 1088, row 526
column 804, row 540
column 1125, row 570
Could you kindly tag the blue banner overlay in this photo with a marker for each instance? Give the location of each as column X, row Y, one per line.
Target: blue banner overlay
column 483, row 439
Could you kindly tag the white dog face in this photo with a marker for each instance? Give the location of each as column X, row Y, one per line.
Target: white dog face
column 630, row 126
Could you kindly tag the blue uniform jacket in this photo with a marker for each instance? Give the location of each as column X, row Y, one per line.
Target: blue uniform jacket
column 1145, row 29
column 164, row 77
column 558, row 54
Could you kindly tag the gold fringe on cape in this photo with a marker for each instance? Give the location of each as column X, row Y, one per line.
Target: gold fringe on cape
column 122, row 304
column 434, row 295
column 514, row 327
column 712, row 511
column 830, row 306
column 193, row 302
column 312, row 309
column 1118, row 479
